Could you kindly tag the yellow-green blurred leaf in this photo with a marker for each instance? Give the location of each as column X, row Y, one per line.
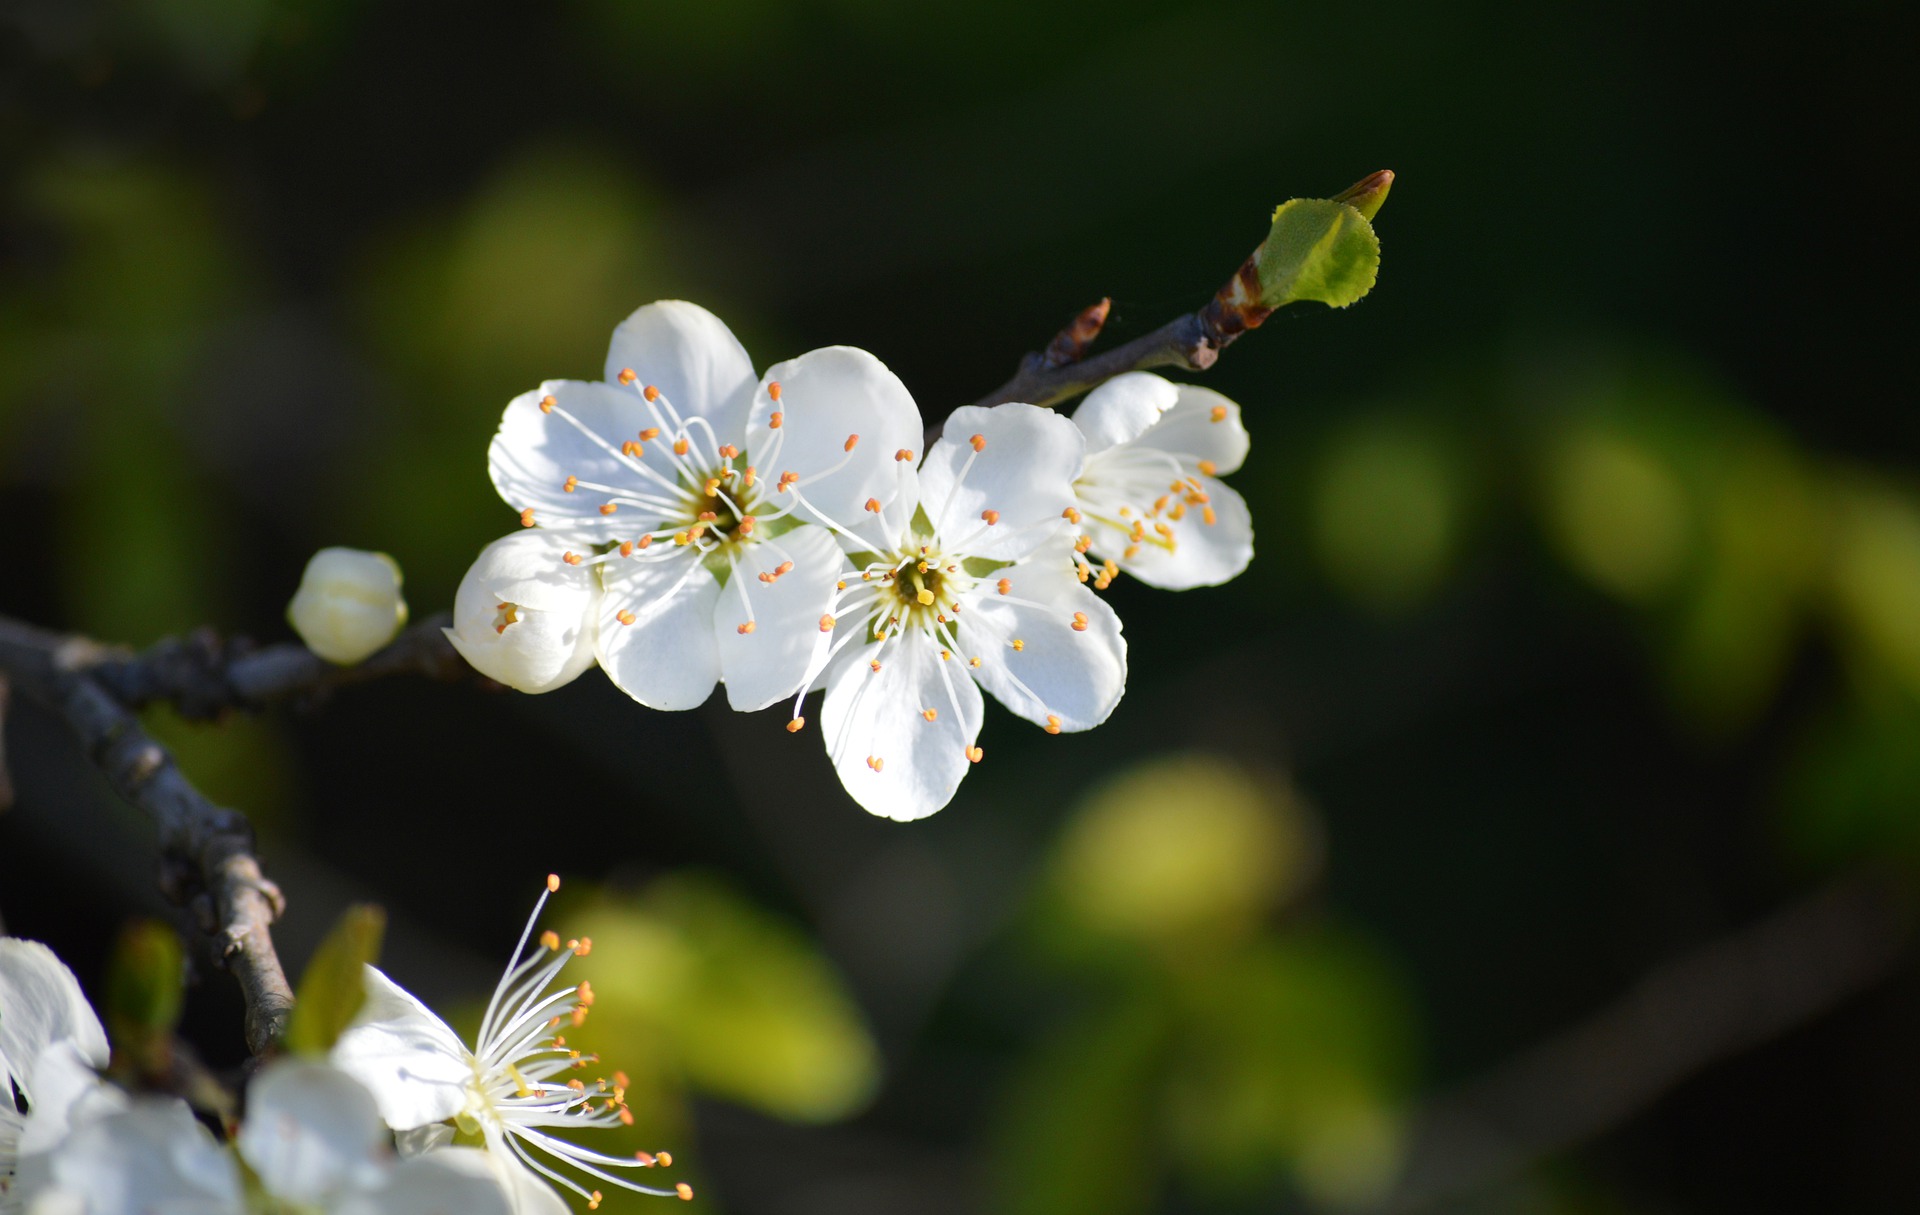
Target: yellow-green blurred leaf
column 333, row 987
column 1618, row 513
column 146, row 978
column 1183, row 850
column 1876, row 577
column 740, row 1003
column 1387, row 505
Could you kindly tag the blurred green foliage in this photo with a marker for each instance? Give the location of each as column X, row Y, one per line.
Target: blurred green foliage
column 333, row 986
column 144, row 993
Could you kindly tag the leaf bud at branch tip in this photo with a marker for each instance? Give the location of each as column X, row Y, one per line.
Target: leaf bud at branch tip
column 1368, row 194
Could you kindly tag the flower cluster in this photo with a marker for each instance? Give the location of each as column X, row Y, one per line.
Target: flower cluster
column 367, row 1131
column 689, row 524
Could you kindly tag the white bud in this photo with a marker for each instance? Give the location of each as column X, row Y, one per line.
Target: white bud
column 523, row 615
column 348, row 605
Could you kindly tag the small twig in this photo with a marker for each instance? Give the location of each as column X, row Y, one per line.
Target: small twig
column 208, row 862
column 205, row 675
column 1192, row 342
column 1678, row 1020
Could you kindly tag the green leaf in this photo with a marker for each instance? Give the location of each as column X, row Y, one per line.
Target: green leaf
column 334, row 985
column 980, row 567
column 1317, row 250
column 144, row 990
column 732, row 998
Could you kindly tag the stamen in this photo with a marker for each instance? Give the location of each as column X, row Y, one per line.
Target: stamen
column 873, row 505
column 903, row 454
column 526, row 517
column 979, row 442
column 650, row 392
column 624, row 616
column 1079, row 622
column 685, row 1191
column 553, row 883
column 976, row 754
column 728, row 451
column 1018, row 645
column 547, row 403
column 1208, row 516
column 633, row 448
column 1053, row 724
column 773, row 393
column 746, row 628
column 1207, row 468
column 777, row 418
column 650, row 433
column 1004, row 585
column 1070, row 515
column 851, row 440
column 929, row 714
column 681, row 446
column 826, row 624
column 550, row 940
column 607, row 508
column 572, row 484
column 796, row 725
column 571, row 558
column 1219, row 413
column 991, row 516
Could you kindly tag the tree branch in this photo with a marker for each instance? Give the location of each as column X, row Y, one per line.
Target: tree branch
column 1678, row 1020
column 204, row 675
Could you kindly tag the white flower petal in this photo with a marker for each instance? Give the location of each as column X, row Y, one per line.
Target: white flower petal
column 879, row 715
column 65, row 1091
column 827, row 396
column 1120, row 409
column 666, row 658
column 548, row 640
column 1076, row 675
column 1189, row 430
column 526, row 1190
column 1204, row 554
column 770, row 662
column 691, row 356
column 414, row 1065
column 311, row 1130
column 535, row 452
column 40, row 1004
column 1024, row 474
column 154, row 1156
column 441, row 1182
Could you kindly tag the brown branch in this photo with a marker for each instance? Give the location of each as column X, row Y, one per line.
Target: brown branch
column 1679, row 1019
column 204, row 675
column 208, row 863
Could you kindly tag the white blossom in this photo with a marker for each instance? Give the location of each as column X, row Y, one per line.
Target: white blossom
column 50, row 1045
column 693, row 492
column 967, row 582
column 348, row 605
column 508, row 1088
column 1149, row 500
column 524, row 615
column 312, row 1132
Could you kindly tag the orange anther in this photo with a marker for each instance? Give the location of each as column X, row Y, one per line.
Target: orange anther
column 1079, row 622
column 680, row 446
column 632, row 448
column 526, row 517
column 643, row 541
column 1219, row 413
column 1070, row 515
column 649, row 434
column 624, row 616
column 728, row 451
column 1018, row 645
column 626, row 1116
column 572, row 484
column 746, row 628
column 1004, row 585
column 796, row 725
column 550, row 939
column 1053, row 724
column 1208, row 468
column 626, row 548
column 666, row 1159
column 773, row 390
column 685, row 1191
column 626, row 375
column 647, row 1159
column 874, row 666
column 553, row 883
column 976, row 754
column 570, row 558
column 749, row 480
column 585, row 993
column 783, row 569
column 974, row 661
column 1208, row 515
column 929, row 714
column 547, row 403
column 851, row 440
column 776, row 419
column 873, row 505
column 583, row 947
column 593, row 1201
column 651, row 393
column 991, row 516
column 607, row 508
column 903, row 454
column 979, row 442
column 707, row 516
column 746, row 529
column 766, row 578
column 826, row 624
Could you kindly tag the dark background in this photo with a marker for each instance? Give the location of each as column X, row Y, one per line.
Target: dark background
column 1584, row 628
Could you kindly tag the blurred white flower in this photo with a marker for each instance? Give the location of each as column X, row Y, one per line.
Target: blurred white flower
column 691, row 489
column 524, row 614
column 50, row 1045
column 312, row 1132
column 152, row 1155
column 967, row 582
column 449, row 1180
column 507, row 1088
column 1149, row 500
column 348, row 605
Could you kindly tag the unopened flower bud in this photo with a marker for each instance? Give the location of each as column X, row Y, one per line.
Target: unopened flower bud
column 348, row 605
column 526, row 616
